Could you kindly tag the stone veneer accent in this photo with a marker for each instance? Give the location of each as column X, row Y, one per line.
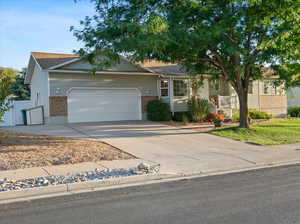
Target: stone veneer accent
column 146, row 100
column 58, row 105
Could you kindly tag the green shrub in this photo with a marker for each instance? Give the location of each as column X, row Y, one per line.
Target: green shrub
column 257, row 114
column 185, row 119
column 158, row 110
column 253, row 114
column 236, row 115
column 199, row 109
column 180, row 116
column 294, row 111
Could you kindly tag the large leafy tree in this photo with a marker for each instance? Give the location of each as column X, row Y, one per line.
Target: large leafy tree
column 19, row 89
column 236, row 38
column 7, row 77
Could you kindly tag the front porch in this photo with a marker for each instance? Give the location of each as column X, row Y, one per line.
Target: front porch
column 177, row 90
column 263, row 95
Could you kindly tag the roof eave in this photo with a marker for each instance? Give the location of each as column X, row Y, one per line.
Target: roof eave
column 65, row 63
column 101, row 72
column 30, row 69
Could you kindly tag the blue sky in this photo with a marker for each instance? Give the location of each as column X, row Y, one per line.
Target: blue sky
column 38, row 25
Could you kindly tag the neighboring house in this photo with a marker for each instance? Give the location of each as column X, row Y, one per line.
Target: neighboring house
column 65, row 87
column 264, row 95
column 293, row 95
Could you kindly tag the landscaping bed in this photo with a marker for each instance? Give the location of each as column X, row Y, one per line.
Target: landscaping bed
column 273, row 132
column 19, row 150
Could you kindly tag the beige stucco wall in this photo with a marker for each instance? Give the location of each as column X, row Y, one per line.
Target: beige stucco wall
column 60, row 83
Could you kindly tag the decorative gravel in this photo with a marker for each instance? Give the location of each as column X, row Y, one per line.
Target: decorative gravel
column 9, row 185
column 19, row 151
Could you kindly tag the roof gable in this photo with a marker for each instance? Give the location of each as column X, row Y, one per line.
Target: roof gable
column 163, row 68
column 48, row 60
column 122, row 66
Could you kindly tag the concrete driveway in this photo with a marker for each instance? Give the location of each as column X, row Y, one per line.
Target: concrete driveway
column 179, row 151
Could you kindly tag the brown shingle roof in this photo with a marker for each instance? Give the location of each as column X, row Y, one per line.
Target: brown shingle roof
column 47, row 60
column 163, row 68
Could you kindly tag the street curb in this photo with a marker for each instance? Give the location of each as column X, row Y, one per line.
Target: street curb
column 61, row 189
column 115, row 183
column 27, row 193
column 92, row 185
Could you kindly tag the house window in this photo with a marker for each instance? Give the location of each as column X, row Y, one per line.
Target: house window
column 216, row 84
column 164, row 88
column 266, row 87
column 269, row 88
column 250, row 87
column 180, row 88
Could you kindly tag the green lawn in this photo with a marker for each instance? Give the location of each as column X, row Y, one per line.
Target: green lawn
column 273, row 132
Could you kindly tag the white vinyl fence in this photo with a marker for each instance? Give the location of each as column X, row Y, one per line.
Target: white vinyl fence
column 14, row 115
column 228, row 102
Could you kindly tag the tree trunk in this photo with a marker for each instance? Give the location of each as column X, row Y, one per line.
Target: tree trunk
column 243, row 101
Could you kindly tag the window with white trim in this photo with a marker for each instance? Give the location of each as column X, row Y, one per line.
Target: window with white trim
column 180, row 88
column 250, row 87
column 269, row 88
column 216, row 84
column 164, row 88
column 266, row 87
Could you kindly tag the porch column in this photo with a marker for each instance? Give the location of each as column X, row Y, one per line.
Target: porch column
column 171, row 94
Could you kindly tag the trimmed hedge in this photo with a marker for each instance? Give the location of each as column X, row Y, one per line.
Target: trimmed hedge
column 253, row 114
column 294, row 111
column 158, row 110
column 257, row 114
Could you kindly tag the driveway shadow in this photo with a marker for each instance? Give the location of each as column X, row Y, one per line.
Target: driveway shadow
column 129, row 130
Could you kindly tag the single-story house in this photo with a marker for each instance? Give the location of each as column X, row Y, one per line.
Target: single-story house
column 64, row 86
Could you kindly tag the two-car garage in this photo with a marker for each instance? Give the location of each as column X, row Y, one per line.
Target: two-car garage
column 104, row 104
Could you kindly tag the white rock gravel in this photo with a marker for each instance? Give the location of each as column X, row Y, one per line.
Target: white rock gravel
column 9, row 185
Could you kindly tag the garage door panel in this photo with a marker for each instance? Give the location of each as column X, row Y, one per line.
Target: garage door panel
column 104, row 105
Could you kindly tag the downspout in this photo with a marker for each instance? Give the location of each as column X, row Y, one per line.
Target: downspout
column 171, row 94
column 158, row 87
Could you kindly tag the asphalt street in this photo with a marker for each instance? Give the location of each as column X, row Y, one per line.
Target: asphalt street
column 262, row 197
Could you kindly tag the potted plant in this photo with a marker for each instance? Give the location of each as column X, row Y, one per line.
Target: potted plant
column 216, row 118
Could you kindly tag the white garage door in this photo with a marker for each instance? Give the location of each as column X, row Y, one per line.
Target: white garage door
column 92, row 105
